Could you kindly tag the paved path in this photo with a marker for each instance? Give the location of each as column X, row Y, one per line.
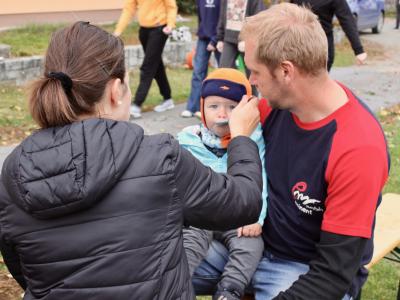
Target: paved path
column 377, row 83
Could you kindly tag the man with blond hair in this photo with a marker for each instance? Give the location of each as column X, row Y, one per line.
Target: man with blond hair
column 327, row 162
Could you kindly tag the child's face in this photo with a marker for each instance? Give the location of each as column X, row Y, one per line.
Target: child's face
column 217, row 111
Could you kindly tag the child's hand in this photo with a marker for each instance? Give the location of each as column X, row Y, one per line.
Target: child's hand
column 252, row 230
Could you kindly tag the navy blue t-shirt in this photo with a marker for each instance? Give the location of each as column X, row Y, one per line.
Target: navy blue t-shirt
column 327, row 175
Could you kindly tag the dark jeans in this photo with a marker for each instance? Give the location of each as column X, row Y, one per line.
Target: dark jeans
column 153, row 41
column 397, row 15
column 200, row 68
column 272, row 276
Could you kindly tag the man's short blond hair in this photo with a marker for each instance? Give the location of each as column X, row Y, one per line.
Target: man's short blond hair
column 288, row 32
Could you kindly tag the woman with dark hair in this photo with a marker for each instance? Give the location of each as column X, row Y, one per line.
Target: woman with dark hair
column 90, row 207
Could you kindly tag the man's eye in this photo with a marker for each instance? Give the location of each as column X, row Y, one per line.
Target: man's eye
column 213, row 106
column 231, row 107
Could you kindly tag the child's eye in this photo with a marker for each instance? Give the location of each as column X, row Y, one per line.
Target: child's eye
column 231, row 107
column 213, row 106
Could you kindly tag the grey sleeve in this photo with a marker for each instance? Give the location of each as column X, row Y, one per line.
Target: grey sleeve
column 221, row 201
column 221, row 21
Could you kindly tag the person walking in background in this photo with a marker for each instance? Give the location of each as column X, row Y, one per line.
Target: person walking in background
column 232, row 17
column 397, row 14
column 156, row 19
column 90, row 206
column 326, row 10
column 208, row 16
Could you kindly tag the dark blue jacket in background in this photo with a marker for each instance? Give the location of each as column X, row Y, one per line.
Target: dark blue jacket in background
column 208, row 13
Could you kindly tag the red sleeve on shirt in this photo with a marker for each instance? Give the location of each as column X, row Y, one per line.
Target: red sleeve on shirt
column 264, row 109
column 355, row 180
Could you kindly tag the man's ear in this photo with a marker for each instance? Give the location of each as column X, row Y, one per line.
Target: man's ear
column 115, row 92
column 288, row 71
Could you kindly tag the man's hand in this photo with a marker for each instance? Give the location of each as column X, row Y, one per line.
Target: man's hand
column 117, row 34
column 360, row 58
column 220, row 46
column 210, row 47
column 244, row 117
column 167, row 30
column 252, row 230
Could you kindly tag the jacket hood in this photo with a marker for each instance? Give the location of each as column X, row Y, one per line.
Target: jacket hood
column 61, row 170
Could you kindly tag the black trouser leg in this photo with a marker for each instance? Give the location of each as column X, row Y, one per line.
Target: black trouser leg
column 153, row 41
column 162, row 81
column 397, row 16
column 331, row 51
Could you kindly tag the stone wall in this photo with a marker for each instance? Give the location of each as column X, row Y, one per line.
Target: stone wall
column 4, row 51
column 23, row 69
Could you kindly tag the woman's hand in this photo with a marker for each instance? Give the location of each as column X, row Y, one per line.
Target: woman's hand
column 167, row 30
column 245, row 117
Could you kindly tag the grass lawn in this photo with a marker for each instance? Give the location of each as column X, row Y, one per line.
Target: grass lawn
column 16, row 124
column 34, row 39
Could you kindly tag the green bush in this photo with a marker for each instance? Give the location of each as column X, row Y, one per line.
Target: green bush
column 186, row 6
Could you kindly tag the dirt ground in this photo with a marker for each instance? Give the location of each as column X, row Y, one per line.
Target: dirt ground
column 9, row 288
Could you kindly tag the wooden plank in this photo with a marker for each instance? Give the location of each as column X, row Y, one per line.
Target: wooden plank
column 387, row 228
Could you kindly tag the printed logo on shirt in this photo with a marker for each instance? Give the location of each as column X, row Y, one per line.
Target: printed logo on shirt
column 304, row 202
column 235, row 14
column 210, row 3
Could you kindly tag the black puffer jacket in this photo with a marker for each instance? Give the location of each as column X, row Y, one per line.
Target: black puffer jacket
column 94, row 210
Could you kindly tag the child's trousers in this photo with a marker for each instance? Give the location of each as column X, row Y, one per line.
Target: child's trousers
column 244, row 254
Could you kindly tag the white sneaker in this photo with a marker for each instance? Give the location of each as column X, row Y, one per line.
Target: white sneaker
column 136, row 111
column 166, row 105
column 186, row 114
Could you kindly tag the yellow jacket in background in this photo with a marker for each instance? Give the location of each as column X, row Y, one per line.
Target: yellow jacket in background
column 150, row 13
